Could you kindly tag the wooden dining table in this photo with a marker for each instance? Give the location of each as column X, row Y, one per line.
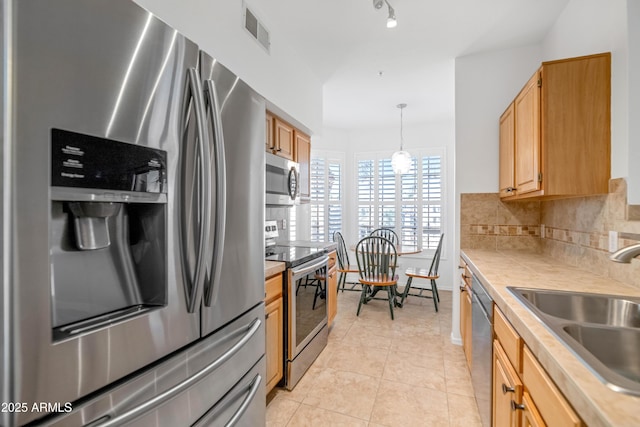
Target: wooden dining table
column 400, row 251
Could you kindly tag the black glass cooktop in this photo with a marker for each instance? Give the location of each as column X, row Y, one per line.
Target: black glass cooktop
column 293, row 255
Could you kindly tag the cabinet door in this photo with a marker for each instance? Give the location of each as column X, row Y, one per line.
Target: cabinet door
column 507, row 152
column 269, row 141
column 527, row 137
column 303, row 147
column 283, row 133
column 332, row 289
column 507, row 388
column 551, row 405
column 465, row 322
column 530, row 415
column 332, row 295
column 274, row 338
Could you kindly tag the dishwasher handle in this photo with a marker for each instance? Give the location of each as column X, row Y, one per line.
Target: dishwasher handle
column 475, row 300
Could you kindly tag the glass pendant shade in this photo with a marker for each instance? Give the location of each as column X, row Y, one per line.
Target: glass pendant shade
column 401, row 162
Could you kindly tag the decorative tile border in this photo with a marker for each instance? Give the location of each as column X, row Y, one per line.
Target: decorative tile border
column 593, row 239
column 503, row 230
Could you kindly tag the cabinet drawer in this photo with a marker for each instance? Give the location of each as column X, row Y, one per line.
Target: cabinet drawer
column 273, row 287
column 509, row 338
column 551, row 404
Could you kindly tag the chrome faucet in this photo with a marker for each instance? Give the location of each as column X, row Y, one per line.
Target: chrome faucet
column 626, row 254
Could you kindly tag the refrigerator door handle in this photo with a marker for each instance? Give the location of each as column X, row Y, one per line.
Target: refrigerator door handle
column 250, row 390
column 195, row 295
column 221, row 190
column 174, row 391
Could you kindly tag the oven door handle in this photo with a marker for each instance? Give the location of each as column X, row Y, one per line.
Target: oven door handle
column 306, row 268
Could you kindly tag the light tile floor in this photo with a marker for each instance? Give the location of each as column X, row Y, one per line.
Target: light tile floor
column 381, row 372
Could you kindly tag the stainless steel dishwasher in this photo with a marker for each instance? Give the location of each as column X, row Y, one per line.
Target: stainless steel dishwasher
column 481, row 348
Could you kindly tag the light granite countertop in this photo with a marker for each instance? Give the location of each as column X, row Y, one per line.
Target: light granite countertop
column 596, row 404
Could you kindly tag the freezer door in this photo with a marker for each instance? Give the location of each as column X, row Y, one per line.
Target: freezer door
column 218, row 380
column 108, row 69
column 236, row 116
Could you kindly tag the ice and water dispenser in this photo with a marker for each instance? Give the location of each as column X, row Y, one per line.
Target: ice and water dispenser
column 108, row 226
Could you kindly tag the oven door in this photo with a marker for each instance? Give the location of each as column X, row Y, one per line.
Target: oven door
column 307, row 317
column 281, row 179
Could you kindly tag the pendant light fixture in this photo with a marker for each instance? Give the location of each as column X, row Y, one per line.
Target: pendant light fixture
column 401, row 160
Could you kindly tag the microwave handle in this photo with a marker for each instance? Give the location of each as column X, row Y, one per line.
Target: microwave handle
column 293, row 176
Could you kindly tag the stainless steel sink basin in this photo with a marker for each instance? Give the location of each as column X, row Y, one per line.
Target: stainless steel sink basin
column 601, row 330
column 607, row 310
column 616, row 348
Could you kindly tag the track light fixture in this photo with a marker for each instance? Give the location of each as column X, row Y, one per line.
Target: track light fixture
column 391, row 19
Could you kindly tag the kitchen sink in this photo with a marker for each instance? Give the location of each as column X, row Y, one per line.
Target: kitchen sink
column 602, row 330
column 607, row 310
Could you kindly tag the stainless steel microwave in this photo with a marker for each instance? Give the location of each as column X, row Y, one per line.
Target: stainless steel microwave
column 282, row 181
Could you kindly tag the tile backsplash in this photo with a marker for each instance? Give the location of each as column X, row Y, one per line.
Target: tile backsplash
column 575, row 230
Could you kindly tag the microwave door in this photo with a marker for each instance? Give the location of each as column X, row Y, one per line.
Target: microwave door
column 85, row 312
column 240, row 120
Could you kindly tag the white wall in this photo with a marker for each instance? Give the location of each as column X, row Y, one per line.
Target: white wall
column 633, row 74
column 593, row 26
column 485, row 85
column 216, row 26
column 416, row 136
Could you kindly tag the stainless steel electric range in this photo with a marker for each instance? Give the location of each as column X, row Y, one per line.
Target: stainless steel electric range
column 306, row 331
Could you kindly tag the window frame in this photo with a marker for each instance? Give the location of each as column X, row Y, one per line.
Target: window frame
column 420, row 203
column 329, row 157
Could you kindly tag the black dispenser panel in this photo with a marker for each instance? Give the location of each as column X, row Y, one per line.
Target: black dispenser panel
column 84, row 161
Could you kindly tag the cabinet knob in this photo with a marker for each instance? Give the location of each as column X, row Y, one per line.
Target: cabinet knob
column 462, row 289
column 506, row 389
column 516, row 406
column 279, row 149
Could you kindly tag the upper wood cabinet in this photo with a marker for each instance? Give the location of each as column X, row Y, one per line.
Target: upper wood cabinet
column 559, row 131
column 303, row 149
column 270, row 145
column 507, row 152
column 284, row 145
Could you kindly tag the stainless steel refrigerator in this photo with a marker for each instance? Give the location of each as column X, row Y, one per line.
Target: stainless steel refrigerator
column 132, row 284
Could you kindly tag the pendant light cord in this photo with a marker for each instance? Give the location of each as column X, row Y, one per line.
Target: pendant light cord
column 401, row 137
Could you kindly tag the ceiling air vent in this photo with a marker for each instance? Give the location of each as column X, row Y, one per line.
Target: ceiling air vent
column 256, row 29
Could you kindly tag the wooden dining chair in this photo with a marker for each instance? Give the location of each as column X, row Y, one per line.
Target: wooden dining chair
column 420, row 273
column 344, row 266
column 387, row 233
column 377, row 260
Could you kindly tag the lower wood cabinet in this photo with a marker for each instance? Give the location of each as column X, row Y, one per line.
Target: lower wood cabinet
column 332, row 288
column 465, row 310
column 507, row 389
column 523, row 393
column 274, row 323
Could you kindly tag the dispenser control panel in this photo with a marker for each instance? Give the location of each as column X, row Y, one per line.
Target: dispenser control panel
column 84, row 161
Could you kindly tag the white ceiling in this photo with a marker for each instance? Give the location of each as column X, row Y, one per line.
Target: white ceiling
column 347, row 43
